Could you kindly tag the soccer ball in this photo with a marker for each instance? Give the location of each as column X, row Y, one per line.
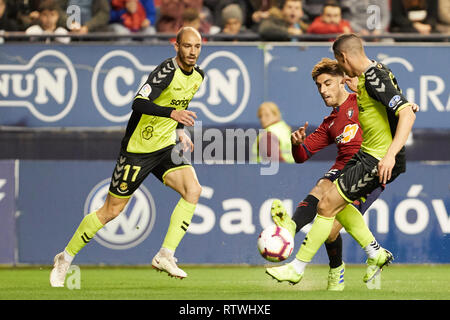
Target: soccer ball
column 275, row 243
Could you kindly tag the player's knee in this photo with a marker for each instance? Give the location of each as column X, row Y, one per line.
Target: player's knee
column 110, row 210
column 192, row 192
column 324, row 208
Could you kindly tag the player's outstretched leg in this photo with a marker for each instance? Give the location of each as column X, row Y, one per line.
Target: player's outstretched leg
column 184, row 181
column 355, row 225
column 87, row 229
column 164, row 260
column 281, row 218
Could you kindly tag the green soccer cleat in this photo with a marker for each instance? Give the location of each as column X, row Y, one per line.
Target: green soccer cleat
column 281, row 218
column 375, row 265
column 336, row 278
column 285, row 273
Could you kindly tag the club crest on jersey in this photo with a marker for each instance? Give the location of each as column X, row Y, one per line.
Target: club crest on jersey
column 350, row 113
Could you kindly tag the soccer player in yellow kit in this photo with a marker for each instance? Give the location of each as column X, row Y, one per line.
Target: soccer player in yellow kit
column 386, row 119
column 159, row 115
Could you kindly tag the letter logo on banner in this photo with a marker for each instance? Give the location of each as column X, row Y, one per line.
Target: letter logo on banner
column 47, row 80
column 115, row 79
column 222, row 97
column 225, row 91
column 132, row 226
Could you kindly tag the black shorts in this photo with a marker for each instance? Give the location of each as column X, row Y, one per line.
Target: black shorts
column 362, row 204
column 359, row 177
column 331, row 174
column 132, row 169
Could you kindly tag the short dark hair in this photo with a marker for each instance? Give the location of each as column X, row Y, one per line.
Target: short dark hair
column 328, row 66
column 330, row 3
column 283, row 3
column 350, row 39
column 50, row 5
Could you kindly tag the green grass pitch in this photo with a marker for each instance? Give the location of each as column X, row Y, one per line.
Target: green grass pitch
column 405, row 282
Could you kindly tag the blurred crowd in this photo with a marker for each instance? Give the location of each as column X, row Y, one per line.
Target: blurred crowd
column 270, row 20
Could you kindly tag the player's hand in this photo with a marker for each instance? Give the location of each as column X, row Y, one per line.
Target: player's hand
column 352, row 83
column 185, row 117
column 297, row 137
column 185, row 141
column 385, row 167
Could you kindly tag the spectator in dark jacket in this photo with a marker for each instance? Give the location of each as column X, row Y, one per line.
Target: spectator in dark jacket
column 6, row 23
column 417, row 16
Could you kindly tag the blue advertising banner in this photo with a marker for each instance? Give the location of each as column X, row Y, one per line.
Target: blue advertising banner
column 93, row 85
column 7, row 212
column 411, row 218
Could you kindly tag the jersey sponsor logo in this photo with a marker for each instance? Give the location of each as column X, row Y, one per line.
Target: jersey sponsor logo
column 132, row 226
column 180, row 102
column 46, row 85
column 348, row 133
column 225, row 91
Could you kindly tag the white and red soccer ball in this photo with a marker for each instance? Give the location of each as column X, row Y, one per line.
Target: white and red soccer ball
column 275, row 243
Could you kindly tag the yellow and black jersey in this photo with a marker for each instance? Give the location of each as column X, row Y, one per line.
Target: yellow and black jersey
column 379, row 102
column 167, row 88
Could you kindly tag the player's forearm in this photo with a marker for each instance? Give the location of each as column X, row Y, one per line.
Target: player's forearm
column 404, row 127
column 299, row 153
column 150, row 108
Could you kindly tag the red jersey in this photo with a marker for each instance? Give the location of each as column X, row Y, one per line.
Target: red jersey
column 320, row 27
column 340, row 127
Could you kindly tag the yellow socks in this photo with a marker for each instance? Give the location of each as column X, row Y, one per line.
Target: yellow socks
column 319, row 232
column 85, row 232
column 179, row 222
column 353, row 222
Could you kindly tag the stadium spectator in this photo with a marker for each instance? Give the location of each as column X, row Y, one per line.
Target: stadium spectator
column 245, row 6
column 191, row 18
column 443, row 25
column 275, row 142
column 6, row 23
column 171, row 15
column 232, row 18
column 132, row 16
column 414, row 16
column 367, row 17
column 49, row 14
column 26, row 12
column 284, row 24
column 94, row 15
column 313, row 8
column 261, row 10
column 330, row 21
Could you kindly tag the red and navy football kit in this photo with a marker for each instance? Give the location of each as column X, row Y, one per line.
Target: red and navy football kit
column 342, row 128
